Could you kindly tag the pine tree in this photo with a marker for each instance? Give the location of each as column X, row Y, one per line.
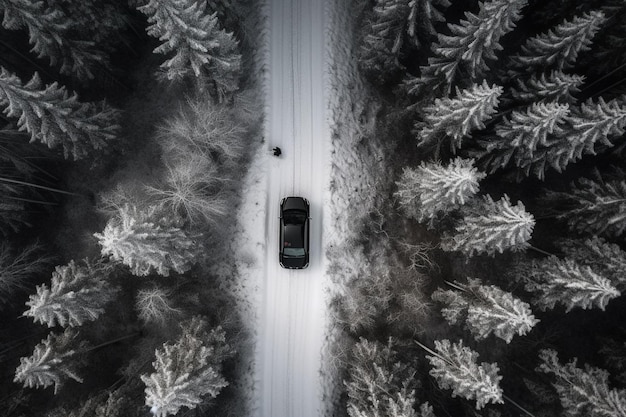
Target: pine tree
column 77, row 294
column 54, row 117
column 379, row 384
column 456, row 118
column 188, row 370
column 487, row 309
column 472, row 42
column 490, row 227
column 583, row 392
column 559, row 47
column 196, row 39
column 17, row 268
column 423, row 15
column 50, row 34
column 434, row 189
column 607, row 259
column 519, row 136
column 563, row 281
column 154, row 306
column 593, row 205
column 380, row 50
column 146, row 242
column 455, row 367
column 553, row 87
column 53, row 362
column 426, row 410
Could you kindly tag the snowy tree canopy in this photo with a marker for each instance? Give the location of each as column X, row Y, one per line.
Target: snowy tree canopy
column 608, row 259
column 146, row 242
column 519, row 135
column 472, row 42
column 50, row 34
column 563, row 281
column 553, row 87
column 560, row 47
column 77, row 294
column 379, row 384
column 432, row 189
column 186, row 29
column 188, row 370
column 594, row 205
column 487, row 309
column 53, row 362
column 491, row 226
column 54, row 117
column 455, row 118
column 455, row 367
column 583, row 392
column 423, row 15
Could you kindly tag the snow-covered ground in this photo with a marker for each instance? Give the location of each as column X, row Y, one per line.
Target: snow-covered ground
column 316, row 110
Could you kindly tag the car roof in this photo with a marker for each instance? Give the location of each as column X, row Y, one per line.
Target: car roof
column 293, row 235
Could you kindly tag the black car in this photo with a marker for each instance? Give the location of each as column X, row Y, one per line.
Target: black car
column 294, row 233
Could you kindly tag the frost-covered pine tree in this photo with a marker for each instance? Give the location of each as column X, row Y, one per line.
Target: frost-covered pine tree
column 456, row 367
column 53, row 362
column 17, row 269
column 188, row 370
column 51, row 35
column 472, row 42
column 54, row 117
column 194, row 36
column 593, row 205
column 563, row 281
column 519, row 136
column 147, row 242
column 486, row 309
column 77, row 294
column 559, row 47
column 423, row 15
column 553, row 87
column 379, row 384
column 491, row 226
column 605, row 258
column 433, row 189
column 583, row 392
column 380, row 49
column 455, row 118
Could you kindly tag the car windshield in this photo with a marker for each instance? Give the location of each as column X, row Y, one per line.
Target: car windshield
column 294, row 217
column 293, row 252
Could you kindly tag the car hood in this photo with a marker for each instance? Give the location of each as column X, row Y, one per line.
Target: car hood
column 294, row 203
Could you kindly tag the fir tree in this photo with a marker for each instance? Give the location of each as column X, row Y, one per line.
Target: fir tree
column 583, row 392
column 593, row 205
column 487, row 309
column 563, row 281
column 472, row 42
column 607, row 259
column 380, row 50
column 195, row 38
column 50, row 34
column 379, row 384
column 17, row 268
column 146, row 242
column 455, row 367
column 423, row 15
column 559, row 47
column 77, row 294
column 187, row 371
column 519, row 136
column 553, row 87
column 53, row 362
column 434, row 189
column 491, row 226
column 456, row 118
column 54, row 117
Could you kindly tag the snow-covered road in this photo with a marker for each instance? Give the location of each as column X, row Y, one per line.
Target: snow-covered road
column 293, row 312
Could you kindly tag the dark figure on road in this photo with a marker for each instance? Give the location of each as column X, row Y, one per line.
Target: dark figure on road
column 277, row 151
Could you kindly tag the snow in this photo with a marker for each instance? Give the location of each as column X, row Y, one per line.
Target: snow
column 313, row 95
